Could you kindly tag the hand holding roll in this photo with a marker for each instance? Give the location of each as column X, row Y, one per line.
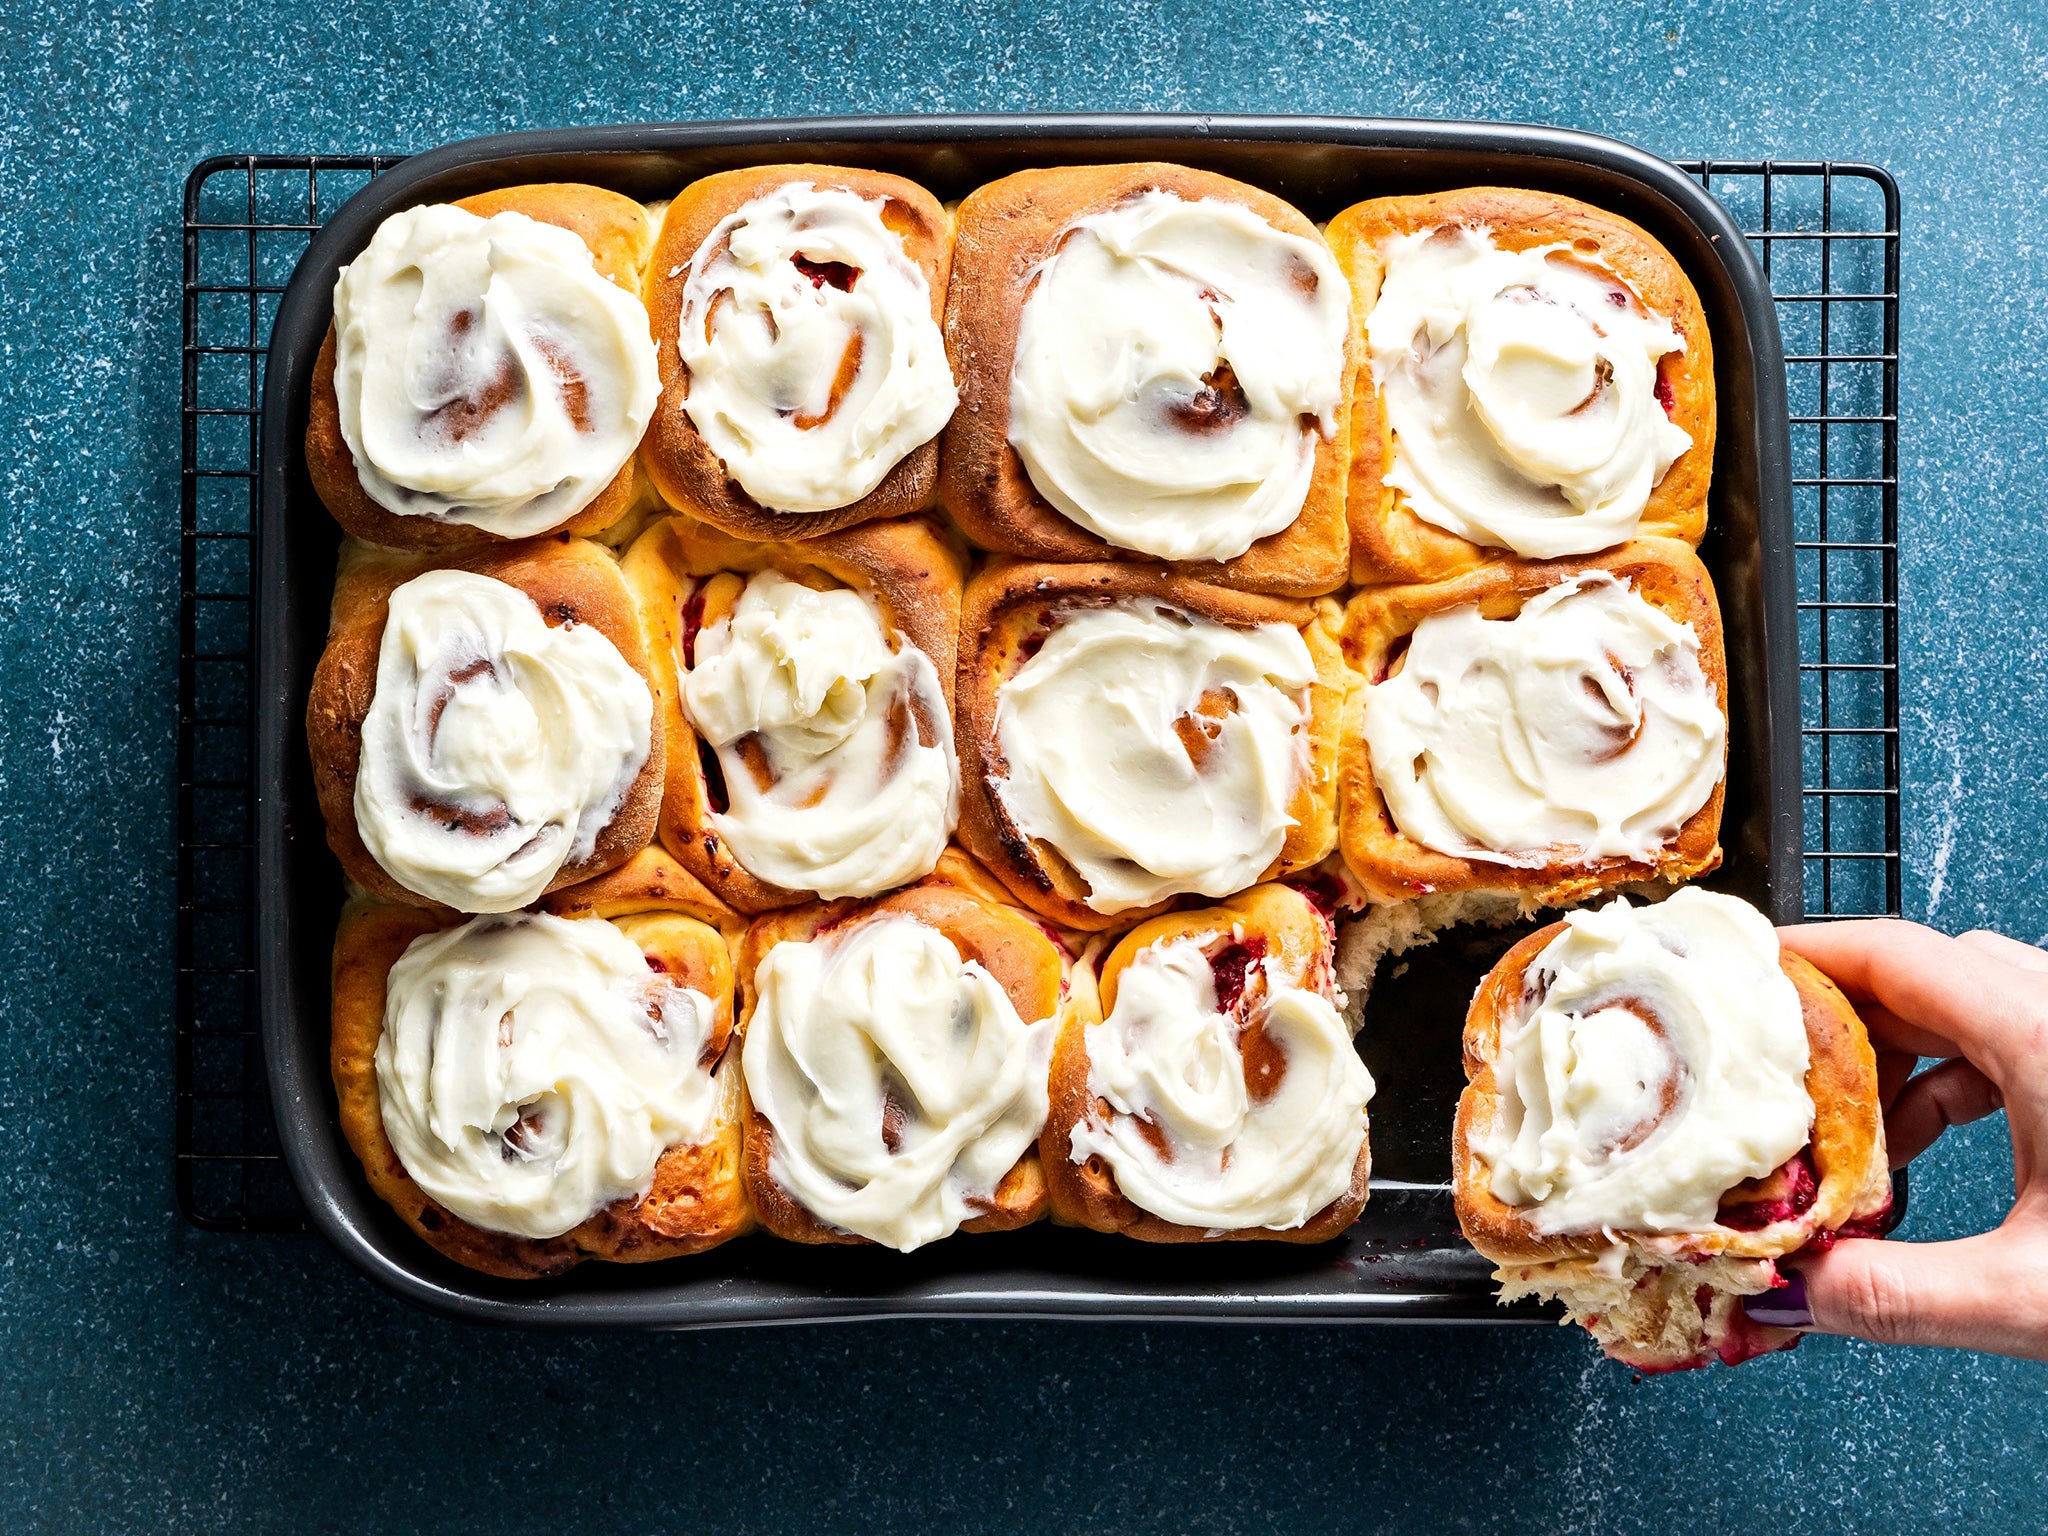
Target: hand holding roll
column 1977, row 1005
column 1660, row 1105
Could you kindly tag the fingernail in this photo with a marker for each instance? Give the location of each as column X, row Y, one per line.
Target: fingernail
column 1784, row 1307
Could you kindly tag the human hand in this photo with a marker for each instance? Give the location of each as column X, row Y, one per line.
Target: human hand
column 1980, row 1004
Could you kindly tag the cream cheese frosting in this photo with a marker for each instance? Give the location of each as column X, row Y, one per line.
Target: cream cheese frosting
column 1158, row 752
column 1583, row 728
column 1177, row 363
column 1170, row 1061
column 814, row 362
column 487, row 373
column 1658, row 1058
column 1521, row 388
column 900, row 1083
column 496, row 747
column 808, row 682
column 532, row 1070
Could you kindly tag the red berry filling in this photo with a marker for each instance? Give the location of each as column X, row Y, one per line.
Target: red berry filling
column 1229, row 965
column 837, row 273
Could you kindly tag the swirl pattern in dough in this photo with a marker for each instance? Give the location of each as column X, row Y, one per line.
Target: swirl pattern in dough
column 1156, row 751
column 532, row 1070
column 1176, row 365
column 1522, row 391
column 899, row 1081
column 485, row 372
column 496, row 747
column 814, row 362
column 833, row 739
column 1583, row 728
column 1227, row 1112
column 1658, row 1059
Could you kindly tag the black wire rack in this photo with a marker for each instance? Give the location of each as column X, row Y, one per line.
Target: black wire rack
column 1828, row 235
column 248, row 219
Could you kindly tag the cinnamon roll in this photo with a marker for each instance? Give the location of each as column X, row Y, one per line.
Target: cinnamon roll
column 807, row 693
column 895, row 1057
column 528, row 1091
column 489, row 371
column 1212, row 1090
column 1660, row 1104
column 1539, row 379
column 1129, row 737
column 1154, row 362
column 1548, row 729
column 482, row 727
column 803, row 375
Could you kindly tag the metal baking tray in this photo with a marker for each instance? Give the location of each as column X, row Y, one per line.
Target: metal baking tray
column 1404, row 1261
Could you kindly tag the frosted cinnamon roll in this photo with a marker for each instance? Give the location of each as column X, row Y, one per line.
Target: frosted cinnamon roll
column 1549, row 729
column 1539, row 376
column 1661, row 1104
column 811, row 682
column 1153, row 361
column 529, row 1091
column 1177, row 365
column 1130, row 737
column 895, row 1056
column 807, row 377
column 484, row 732
column 485, row 376
column 1218, row 1094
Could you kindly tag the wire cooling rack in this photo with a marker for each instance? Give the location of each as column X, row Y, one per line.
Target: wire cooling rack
column 1828, row 235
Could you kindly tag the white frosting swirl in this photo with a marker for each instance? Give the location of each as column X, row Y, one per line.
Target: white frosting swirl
column 900, row 1083
column 1581, row 729
column 814, row 362
column 1521, row 387
column 1171, row 1062
column 496, row 748
column 805, row 684
column 1157, row 751
column 487, row 373
column 1176, row 364
column 533, row 1070
column 1658, row 1059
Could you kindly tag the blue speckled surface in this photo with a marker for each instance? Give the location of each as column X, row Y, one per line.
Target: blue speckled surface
column 156, row 1378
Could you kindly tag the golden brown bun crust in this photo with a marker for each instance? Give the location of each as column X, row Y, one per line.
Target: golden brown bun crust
column 1388, row 541
column 1847, row 1144
column 1665, row 573
column 1006, row 606
column 692, row 478
column 1012, row 948
column 1006, row 229
column 911, row 570
column 697, row 1199
column 568, row 579
column 650, row 881
column 1085, row 1194
column 617, row 232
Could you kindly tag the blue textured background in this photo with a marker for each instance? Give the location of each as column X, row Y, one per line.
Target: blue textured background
column 154, row 1378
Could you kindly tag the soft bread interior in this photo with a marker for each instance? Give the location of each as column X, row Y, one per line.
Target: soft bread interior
column 1655, row 1315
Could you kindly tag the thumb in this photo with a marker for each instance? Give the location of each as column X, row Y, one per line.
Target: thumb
column 1986, row 1292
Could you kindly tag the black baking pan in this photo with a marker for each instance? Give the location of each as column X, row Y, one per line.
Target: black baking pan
column 1404, row 1261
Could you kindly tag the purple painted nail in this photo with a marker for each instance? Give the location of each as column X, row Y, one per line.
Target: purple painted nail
column 1784, row 1307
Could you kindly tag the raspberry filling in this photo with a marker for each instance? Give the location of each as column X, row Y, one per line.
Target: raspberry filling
column 1665, row 397
column 837, row 273
column 693, row 622
column 1322, row 892
column 714, row 778
column 1229, row 965
column 1784, row 1195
